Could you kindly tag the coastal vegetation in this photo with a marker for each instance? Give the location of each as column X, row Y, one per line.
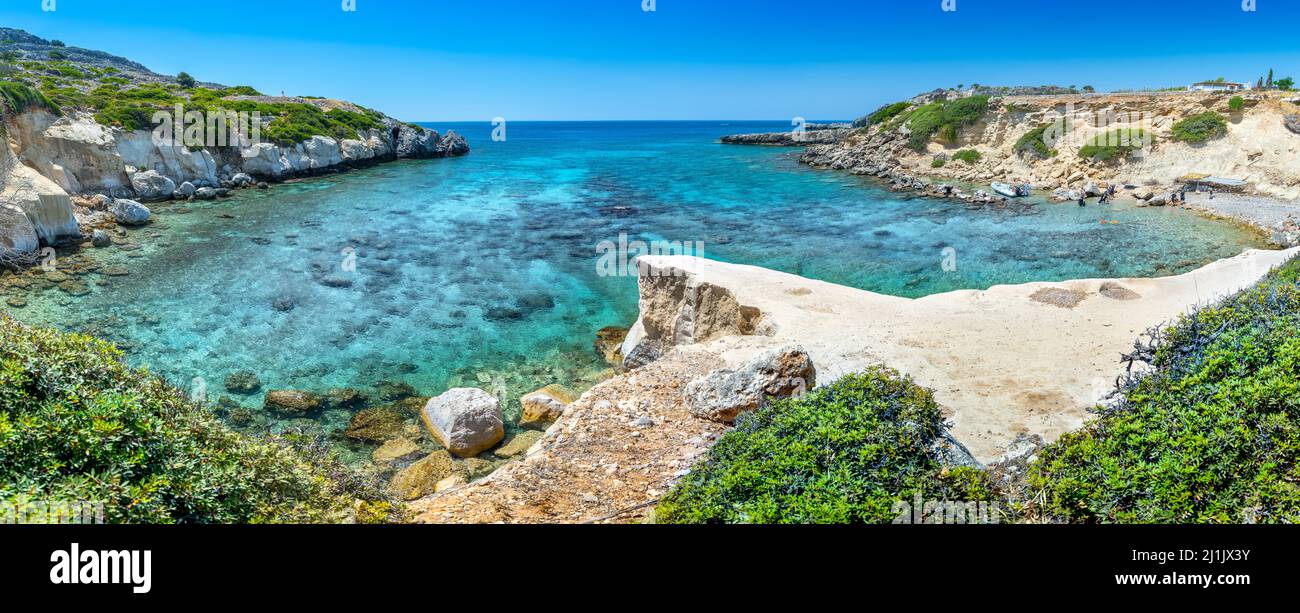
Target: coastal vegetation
column 121, row 102
column 887, row 112
column 1210, row 435
column 845, row 453
column 944, row 118
column 1200, row 128
column 1036, row 141
column 1115, row 144
column 1236, row 104
column 76, row 424
column 970, row 156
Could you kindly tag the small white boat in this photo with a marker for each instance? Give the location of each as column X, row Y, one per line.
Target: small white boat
column 1009, row 190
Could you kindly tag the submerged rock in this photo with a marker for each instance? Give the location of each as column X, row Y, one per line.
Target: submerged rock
column 779, row 372
column 609, row 344
column 375, row 425
column 129, row 212
column 243, row 382
column 466, row 420
column 393, row 450
column 292, row 402
column 518, row 444
column 421, row 478
column 544, row 406
column 100, row 238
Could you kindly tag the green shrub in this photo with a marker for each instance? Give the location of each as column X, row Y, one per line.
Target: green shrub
column 57, row 55
column 944, row 118
column 76, row 424
column 185, row 80
column 1210, row 435
column 937, row 163
column 1200, row 128
column 845, row 453
column 970, row 156
column 887, row 112
column 1115, row 144
column 1236, row 104
column 18, row 97
column 57, row 43
column 1040, row 140
column 240, row 90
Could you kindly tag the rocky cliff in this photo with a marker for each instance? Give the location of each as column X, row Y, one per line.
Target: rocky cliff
column 78, row 122
column 1256, row 146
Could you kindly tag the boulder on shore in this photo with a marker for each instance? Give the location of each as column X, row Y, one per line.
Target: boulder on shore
column 149, row 185
column 129, row 212
column 465, row 420
column 544, row 406
column 722, row 395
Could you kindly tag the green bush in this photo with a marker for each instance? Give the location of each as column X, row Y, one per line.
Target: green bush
column 970, row 156
column 1236, row 104
column 1040, row 140
column 887, row 112
column 76, row 424
column 937, row 163
column 1115, row 144
column 845, row 453
column 1200, row 128
column 185, row 80
column 944, row 118
column 18, row 98
column 1210, row 435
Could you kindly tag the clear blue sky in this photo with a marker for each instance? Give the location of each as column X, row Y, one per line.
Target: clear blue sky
column 447, row 60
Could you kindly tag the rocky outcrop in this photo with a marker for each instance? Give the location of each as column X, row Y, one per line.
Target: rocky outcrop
column 544, row 406
column 780, row 372
column 788, row 139
column 421, row 478
column 150, row 186
column 677, row 308
column 465, row 420
column 33, row 210
column 1292, row 123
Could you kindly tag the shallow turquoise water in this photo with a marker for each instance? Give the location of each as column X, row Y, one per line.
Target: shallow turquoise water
column 482, row 270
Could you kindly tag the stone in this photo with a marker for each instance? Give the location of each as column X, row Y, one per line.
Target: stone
column 1292, row 123
column 150, row 186
column 129, row 212
column 335, row 281
column 1115, row 291
column 1159, row 200
column 518, row 444
column 393, row 450
column 375, row 425
column 100, row 238
column 642, row 353
column 390, row 390
column 779, row 372
column 241, row 180
column 609, row 344
column 465, row 420
column 454, row 481
column 421, row 478
column 544, row 405
column 292, row 402
column 346, row 398
column 185, row 190
column 243, row 382
column 205, row 193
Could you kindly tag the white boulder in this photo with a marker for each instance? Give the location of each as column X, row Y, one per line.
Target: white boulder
column 466, row 420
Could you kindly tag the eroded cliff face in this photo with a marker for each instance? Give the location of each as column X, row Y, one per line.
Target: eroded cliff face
column 33, row 209
column 46, row 158
column 1258, row 146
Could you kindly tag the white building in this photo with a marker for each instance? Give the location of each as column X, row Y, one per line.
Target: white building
column 1217, row 86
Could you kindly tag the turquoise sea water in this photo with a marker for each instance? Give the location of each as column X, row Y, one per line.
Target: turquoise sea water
column 481, row 270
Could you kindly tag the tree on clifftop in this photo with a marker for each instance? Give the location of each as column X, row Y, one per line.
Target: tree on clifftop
column 185, row 80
